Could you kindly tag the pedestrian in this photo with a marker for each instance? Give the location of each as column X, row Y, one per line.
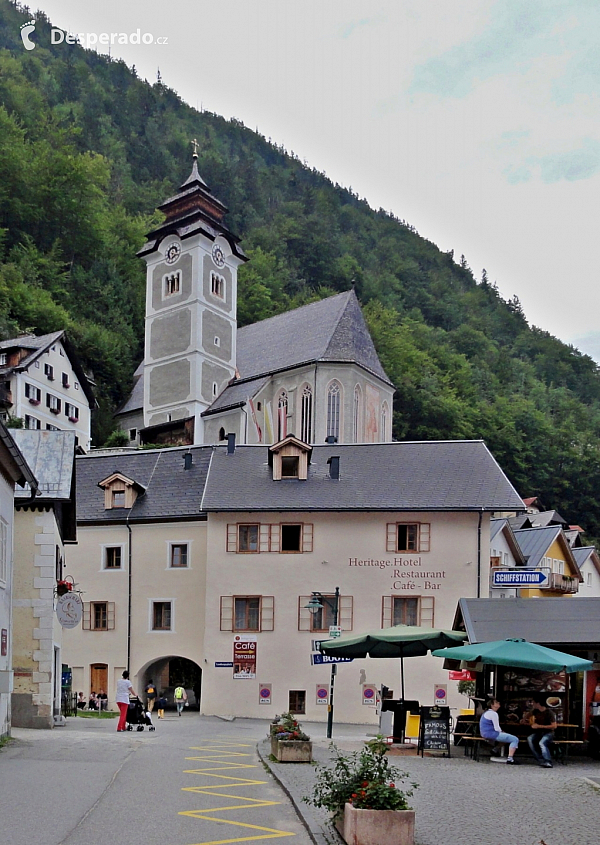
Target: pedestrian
column 124, row 691
column 489, row 728
column 161, row 704
column 543, row 723
column 150, row 695
column 180, row 698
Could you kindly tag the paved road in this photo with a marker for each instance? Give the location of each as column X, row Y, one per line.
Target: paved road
column 194, row 781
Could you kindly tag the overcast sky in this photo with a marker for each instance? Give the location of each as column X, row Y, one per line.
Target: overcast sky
column 476, row 121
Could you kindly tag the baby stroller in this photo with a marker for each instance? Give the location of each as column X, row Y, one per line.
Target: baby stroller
column 138, row 715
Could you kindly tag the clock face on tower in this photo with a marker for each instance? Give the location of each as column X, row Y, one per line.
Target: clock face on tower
column 218, row 256
column 172, row 254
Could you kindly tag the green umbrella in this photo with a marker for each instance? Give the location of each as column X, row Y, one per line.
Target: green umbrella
column 399, row 641
column 516, row 652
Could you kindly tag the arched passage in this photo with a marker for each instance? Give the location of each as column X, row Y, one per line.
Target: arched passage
column 169, row 672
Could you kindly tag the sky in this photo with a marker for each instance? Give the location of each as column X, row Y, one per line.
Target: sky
column 476, row 121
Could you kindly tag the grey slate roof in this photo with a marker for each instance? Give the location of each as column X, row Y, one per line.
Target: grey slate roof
column 332, row 329
column 171, row 491
column 135, row 402
column 31, row 342
column 236, row 394
column 535, row 542
column 50, row 455
column 425, row 476
column 496, row 525
column 552, row 621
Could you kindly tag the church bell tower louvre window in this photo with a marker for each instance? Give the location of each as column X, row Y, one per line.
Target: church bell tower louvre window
column 306, row 414
column 217, row 285
column 333, row 410
column 172, row 283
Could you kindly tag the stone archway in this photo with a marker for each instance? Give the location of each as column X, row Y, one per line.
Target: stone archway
column 168, row 672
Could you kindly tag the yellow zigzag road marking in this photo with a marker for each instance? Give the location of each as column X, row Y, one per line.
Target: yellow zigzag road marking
column 217, row 755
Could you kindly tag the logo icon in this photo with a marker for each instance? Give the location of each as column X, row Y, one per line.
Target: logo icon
column 26, row 30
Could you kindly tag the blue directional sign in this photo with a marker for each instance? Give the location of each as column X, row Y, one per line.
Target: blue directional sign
column 520, row 578
column 318, row 659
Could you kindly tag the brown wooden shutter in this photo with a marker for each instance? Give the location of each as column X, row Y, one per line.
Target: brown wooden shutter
column 110, row 616
column 424, row 535
column 346, row 614
column 267, row 613
column 303, row 614
column 275, row 537
column 391, row 537
column 426, row 614
column 86, row 619
column 307, row 537
column 226, row 623
column 386, row 611
column 232, row 533
column 264, row 537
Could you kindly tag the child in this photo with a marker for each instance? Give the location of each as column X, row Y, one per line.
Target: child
column 160, row 705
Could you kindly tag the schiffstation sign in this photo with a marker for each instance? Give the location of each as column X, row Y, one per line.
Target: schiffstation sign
column 520, row 578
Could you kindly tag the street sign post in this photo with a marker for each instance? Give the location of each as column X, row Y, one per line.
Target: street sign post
column 320, row 659
column 502, row 579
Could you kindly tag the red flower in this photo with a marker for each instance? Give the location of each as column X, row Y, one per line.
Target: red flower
column 392, row 785
column 365, row 783
column 354, row 795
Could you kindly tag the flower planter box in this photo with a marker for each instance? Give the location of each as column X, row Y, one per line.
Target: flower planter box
column 376, row 827
column 291, row 750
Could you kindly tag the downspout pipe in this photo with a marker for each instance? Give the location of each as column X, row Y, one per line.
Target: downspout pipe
column 479, row 553
column 129, row 557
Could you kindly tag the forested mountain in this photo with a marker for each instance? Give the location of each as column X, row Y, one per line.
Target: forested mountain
column 88, row 150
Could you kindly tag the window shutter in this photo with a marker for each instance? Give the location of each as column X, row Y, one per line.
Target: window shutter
column 424, row 534
column 346, row 612
column 275, row 537
column 110, row 616
column 307, row 537
column 86, row 618
column 303, row 614
column 267, row 613
column 232, row 537
column 264, row 535
column 226, row 613
column 391, row 537
column 426, row 616
column 386, row 612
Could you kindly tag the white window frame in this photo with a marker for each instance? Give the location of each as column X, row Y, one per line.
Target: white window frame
column 4, row 359
column 103, row 557
column 170, row 544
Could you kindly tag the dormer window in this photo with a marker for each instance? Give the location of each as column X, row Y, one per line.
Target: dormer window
column 290, row 458
column 120, row 491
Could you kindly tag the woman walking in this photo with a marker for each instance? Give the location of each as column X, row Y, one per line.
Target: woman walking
column 124, row 690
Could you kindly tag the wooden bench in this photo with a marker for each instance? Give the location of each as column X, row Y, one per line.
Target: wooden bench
column 473, row 743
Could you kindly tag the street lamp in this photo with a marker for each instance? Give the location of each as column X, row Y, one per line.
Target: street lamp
column 316, row 602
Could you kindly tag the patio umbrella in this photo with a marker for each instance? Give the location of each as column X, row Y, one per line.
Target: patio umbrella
column 516, row 652
column 399, row 641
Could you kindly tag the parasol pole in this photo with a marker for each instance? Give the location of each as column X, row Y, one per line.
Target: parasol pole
column 402, row 670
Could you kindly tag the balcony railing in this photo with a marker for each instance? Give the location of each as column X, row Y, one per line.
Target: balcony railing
column 563, row 583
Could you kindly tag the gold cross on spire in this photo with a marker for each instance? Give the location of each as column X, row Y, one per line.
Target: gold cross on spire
column 195, row 146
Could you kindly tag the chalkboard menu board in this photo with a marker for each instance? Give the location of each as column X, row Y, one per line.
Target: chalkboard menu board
column 435, row 729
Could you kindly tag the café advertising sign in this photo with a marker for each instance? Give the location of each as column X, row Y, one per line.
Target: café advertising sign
column 69, row 609
column 244, row 657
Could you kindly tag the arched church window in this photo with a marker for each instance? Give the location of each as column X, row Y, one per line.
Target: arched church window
column 357, row 415
column 217, row 285
column 333, row 409
column 282, row 409
column 306, row 414
column 221, row 434
column 384, row 422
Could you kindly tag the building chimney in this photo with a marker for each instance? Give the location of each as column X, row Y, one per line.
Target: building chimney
column 230, row 444
column 188, row 460
column 334, row 467
column 331, row 439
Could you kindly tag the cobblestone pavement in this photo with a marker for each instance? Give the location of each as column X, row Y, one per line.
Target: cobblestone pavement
column 463, row 802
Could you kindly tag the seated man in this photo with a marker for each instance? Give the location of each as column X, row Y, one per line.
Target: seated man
column 93, row 702
column 81, row 702
column 543, row 723
column 102, row 700
column 489, row 728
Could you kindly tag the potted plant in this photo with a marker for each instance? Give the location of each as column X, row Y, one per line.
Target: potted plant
column 289, row 743
column 361, row 791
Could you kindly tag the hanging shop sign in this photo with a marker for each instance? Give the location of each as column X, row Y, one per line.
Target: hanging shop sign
column 69, row 609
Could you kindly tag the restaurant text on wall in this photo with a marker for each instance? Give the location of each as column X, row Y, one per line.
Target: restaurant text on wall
column 406, row 573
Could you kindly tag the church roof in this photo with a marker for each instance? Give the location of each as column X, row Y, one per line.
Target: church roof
column 332, row 329
column 408, row 476
column 135, row 402
column 236, row 395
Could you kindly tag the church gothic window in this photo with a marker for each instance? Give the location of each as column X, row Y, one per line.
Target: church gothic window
column 333, row 410
column 306, row 414
column 357, row 415
column 384, row 421
column 282, row 410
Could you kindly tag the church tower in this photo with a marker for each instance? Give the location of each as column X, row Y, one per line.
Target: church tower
column 191, row 300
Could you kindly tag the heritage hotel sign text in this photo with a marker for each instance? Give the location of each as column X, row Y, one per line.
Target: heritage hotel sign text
column 407, row 572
